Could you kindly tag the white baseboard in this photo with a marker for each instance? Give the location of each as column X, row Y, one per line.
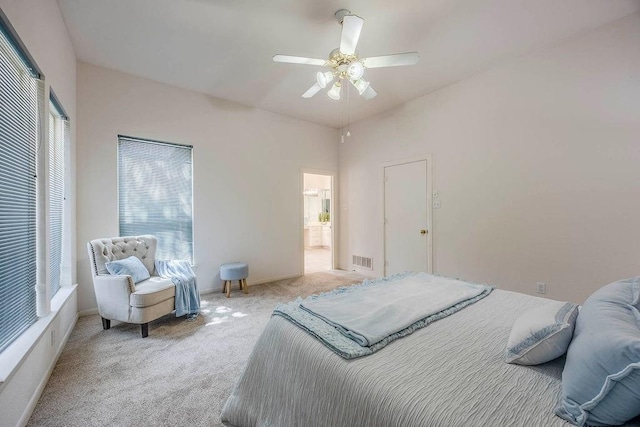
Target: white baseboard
column 88, row 312
column 273, row 279
column 257, row 282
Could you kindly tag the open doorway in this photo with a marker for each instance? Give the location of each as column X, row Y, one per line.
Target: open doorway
column 318, row 232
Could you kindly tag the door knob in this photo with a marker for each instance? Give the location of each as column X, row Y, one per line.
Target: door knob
column 423, row 231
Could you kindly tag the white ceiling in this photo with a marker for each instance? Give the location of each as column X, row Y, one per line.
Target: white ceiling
column 225, row 47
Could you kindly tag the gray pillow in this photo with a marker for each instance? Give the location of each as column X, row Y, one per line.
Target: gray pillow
column 601, row 377
column 542, row 334
column 131, row 266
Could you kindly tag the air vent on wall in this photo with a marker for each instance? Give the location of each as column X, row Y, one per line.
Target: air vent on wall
column 361, row 261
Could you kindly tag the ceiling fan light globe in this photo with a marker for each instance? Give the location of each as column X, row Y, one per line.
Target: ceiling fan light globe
column 369, row 93
column 361, row 85
column 324, row 78
column 334, row 92
column 355, row 70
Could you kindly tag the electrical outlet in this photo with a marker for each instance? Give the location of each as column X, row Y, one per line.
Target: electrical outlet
column 541, row 288
column 436, row 204
column 435, row 194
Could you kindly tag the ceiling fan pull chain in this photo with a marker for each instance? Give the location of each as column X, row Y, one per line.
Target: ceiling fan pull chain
column 348, row 110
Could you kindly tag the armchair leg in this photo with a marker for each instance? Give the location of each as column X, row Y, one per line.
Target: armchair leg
column 145, row 330
column 106, row 323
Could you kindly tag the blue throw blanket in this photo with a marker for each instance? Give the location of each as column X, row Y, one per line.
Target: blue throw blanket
column 187, row 294
column 359, row 320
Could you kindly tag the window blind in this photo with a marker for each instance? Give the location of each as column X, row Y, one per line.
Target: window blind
column 21, row 93
column 155, row 194
column 58, row 130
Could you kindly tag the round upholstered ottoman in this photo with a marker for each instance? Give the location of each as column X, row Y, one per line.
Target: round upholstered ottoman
column 234, row 271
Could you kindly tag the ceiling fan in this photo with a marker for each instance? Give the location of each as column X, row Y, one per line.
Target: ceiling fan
column 344, row 62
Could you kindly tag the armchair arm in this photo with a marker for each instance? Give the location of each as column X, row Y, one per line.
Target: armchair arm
column 113, row 295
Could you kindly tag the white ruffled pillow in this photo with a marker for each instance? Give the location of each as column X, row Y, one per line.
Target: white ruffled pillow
column 542, row 334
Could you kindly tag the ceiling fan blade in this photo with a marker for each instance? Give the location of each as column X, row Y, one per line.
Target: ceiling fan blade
column 351, row 27
column 312, row 91
column 299, row 60
column 408, row 58
column 369, row 93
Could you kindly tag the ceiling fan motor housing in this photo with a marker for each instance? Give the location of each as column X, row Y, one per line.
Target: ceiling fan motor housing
column 345, row 66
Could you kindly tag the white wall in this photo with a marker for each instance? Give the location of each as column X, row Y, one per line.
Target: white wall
column 536, row 163
column 247, row 172
column 40, row 26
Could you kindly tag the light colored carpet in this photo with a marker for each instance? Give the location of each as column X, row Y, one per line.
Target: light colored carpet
column 181, row 374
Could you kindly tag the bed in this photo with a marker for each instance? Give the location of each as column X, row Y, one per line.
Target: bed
column 449, row 373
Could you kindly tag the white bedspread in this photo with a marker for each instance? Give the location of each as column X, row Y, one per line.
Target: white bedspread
column 451, row 373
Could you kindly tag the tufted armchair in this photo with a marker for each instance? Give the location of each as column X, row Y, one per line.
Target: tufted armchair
column 118, row 297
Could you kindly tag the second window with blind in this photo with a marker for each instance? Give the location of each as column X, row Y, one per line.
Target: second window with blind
column 59, row 244
column 155, row 194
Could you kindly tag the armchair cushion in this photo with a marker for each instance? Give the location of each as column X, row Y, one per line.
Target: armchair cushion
column 130, row 266
column 152, row 291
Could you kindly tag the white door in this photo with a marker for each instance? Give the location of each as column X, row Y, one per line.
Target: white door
column 405, row 217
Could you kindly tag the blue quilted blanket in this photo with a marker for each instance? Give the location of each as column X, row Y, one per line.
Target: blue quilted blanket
column 358, row 320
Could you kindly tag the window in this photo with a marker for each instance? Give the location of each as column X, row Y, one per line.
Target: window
column 155, row 194
column 21, row 94
column 58, row 134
